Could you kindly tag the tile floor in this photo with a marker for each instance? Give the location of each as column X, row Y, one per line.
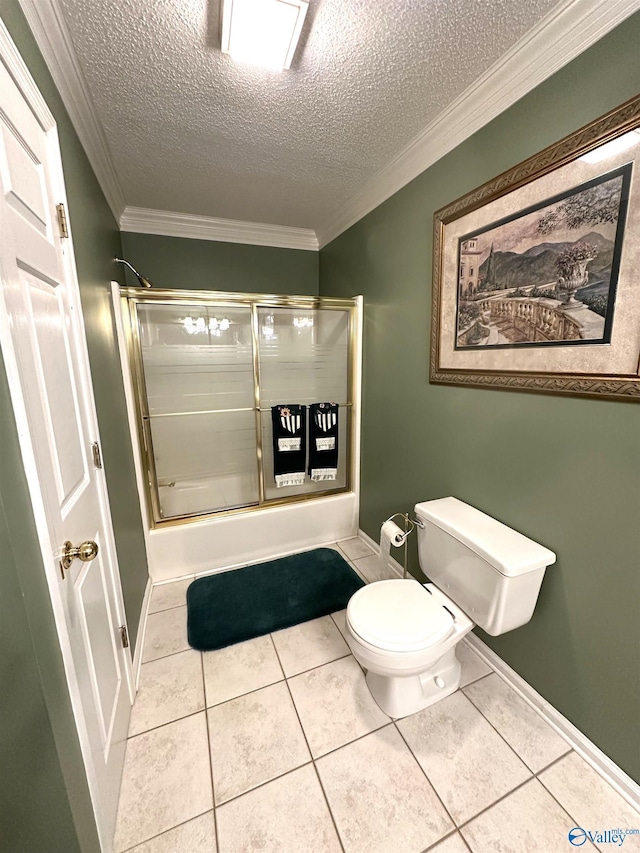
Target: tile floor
column 275, row 745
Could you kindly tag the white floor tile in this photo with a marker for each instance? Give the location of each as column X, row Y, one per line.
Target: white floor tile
column 465, row 759
column 380, row 798
column 524, row 730
column 335, row 705
column 354, row 549
column 269, row 795
column 166, row 781
column 240, row 669
column 373, row 569
column 170, row 688
column 195, row 836
column 591, row 801
column 166, row 634
column 473, row 667
column 289, row 815
column 168, row 595
column 308, row 645
column 254, row 739
column 340, row 618
column 527, row 821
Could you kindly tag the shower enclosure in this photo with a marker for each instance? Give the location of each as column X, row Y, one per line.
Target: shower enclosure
column 207, row 368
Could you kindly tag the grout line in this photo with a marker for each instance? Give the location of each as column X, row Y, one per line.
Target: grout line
column 518, row 756
column 355, row 740
column 164, row 609
column 501, row 736
column 242, row 695
column 171, row 654
column 553, row 796
column 206, row 720
column 311, row 668
column 433, row 787
column 165, row 831
column 465, row 842
column 495, row 802
column 521, row 785
column 304, row 734
column 551, row 763
column 320, row 665
column 326, row 799
column 450, row 834
column 338, row 627
column 315, row 768
column 312, row 760
column 168, row 723
column 262, row 785
column 476, row 680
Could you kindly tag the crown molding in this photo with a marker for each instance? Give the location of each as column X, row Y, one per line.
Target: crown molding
column 567, row 31
column 141, row 220
column 52, row 37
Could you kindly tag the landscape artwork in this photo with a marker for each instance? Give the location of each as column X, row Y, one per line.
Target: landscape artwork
column 546, row 275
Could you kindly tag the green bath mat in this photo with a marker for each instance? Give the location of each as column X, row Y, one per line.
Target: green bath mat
column 233, row 606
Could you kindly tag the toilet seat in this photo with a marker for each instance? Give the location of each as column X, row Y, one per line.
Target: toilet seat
column 398, row 616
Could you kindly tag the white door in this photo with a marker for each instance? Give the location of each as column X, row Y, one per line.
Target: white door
column 42, row 338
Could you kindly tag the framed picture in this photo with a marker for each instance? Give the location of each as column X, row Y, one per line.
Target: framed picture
column 536, row 277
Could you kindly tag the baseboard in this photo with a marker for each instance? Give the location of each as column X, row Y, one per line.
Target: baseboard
column 142, row 630
column 375, row 547
column 594, row 756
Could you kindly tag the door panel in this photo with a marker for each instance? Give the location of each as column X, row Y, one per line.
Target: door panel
column 95, row 620
column 56, row 379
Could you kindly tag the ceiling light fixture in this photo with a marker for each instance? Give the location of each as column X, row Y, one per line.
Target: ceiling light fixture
column 262, row 32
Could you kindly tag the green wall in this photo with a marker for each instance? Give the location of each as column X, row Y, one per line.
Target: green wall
column 96, row 241
column 178, row 262
column 562, row 470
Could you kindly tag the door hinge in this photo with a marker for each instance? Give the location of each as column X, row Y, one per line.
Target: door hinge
column 97, row 458
column 124, row 636
column 62, row 220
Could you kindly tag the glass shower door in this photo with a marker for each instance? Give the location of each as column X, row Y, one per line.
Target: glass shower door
column 197, row 363
column 304, row 359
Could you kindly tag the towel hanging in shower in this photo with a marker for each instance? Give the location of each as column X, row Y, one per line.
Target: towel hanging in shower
column 289, row 444
column 323, row 441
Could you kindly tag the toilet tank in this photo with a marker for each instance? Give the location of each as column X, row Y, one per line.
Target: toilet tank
column 490, row 571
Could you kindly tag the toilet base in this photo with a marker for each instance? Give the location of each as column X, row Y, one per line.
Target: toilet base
column 400, row 696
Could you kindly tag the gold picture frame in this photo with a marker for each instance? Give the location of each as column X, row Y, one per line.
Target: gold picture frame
column 536, row 282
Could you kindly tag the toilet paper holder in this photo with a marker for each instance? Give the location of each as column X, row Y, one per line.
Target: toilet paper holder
column 410, row 525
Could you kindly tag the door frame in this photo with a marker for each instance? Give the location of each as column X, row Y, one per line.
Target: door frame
column 20, row 73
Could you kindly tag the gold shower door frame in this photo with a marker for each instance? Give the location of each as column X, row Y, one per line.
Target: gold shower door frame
column 131, row 297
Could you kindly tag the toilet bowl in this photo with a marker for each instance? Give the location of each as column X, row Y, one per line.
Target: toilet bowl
column 404, row 633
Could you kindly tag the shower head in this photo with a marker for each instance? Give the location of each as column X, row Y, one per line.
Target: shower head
column 143, row 281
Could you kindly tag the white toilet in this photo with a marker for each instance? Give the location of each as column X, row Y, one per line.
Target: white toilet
column 405, row 633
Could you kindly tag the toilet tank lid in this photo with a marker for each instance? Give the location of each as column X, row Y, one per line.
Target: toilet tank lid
column 505, row 549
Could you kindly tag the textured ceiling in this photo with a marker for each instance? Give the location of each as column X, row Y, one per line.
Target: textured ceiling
column 191, row 131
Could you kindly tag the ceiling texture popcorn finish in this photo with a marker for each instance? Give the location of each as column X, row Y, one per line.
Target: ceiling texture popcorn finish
column 190, row 130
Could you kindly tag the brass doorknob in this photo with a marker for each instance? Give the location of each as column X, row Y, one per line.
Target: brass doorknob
column 85, row 552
